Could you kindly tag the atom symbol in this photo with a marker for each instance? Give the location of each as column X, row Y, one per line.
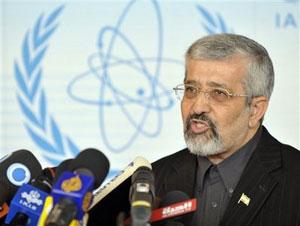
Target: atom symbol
column 146, row 98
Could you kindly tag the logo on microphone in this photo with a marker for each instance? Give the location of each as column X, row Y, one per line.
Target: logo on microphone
column 31, row 199
column 18, row 174
column 72, row 184
column 177, row 209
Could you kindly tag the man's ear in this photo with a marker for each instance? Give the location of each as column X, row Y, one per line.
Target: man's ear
column 258, row 108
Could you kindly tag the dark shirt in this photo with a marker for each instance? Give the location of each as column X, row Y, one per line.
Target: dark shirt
column 216, row 183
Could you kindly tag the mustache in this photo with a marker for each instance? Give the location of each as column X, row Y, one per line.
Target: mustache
column 202, row 117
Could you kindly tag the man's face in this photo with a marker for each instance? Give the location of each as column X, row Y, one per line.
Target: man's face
column 212, row 127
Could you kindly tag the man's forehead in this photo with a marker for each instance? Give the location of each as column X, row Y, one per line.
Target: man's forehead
column 208, row 83
column 216, row 73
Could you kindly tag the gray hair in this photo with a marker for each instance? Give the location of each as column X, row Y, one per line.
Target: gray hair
column 260, row 73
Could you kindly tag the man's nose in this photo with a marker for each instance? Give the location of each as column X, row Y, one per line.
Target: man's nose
column 201, row 103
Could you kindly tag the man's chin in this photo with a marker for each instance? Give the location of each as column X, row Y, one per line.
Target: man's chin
column 203, row 153
column 204, row 148
column 198, row 138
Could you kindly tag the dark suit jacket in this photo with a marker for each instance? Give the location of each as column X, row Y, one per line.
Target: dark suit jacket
column 271, row 180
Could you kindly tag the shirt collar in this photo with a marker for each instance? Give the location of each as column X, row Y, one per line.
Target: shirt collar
column 231, row 168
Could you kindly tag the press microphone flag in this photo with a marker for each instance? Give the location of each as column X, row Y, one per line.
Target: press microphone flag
column 72, row 193
column 48, row 204
column 176, row 206
column 174, row 210
column 27, row 204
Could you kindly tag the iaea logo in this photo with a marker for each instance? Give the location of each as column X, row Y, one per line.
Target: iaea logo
column 41, row 125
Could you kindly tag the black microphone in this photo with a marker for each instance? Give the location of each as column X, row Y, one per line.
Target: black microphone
column 27, row 205
column 175, row 208
column 62, row 167
column 141, row 196
column 16, row 169
column 174, row 223
column 91, row 162
column 72, row 193
column 112, row 199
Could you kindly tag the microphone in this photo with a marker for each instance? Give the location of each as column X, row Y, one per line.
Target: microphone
column 141, row 196
column 72, row 193
column 111, row 199
column 16, row 169
column 48, row 202
column 61, row 168
column 173, row 223
column 27, row 204
column 175, row 207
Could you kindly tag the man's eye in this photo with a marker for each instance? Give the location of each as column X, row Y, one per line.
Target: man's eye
column 190, row 89
column 218, row 92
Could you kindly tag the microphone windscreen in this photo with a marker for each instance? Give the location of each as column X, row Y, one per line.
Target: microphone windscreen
column 62, row 167
column 169, row 199
column 174, row 223
column 173, row 197
column 91, row 161
column 18, row 168
column 141, row 174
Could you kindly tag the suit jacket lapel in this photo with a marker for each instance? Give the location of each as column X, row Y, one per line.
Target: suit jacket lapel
column 183, row 174
column 256, row 183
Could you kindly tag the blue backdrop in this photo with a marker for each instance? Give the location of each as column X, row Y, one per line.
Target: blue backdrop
column 78, row 74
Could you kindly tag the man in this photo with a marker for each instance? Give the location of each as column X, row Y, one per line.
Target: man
column 239, row 173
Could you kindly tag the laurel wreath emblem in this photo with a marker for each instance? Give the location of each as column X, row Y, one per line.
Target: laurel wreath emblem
column 213, row 23
column 40, row 125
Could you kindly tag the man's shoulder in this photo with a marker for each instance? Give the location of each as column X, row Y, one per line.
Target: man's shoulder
column 169, row 158
column 175, row 160
column 273, row 150
column 287, row 151
column 290, row 158
column 175, row 172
